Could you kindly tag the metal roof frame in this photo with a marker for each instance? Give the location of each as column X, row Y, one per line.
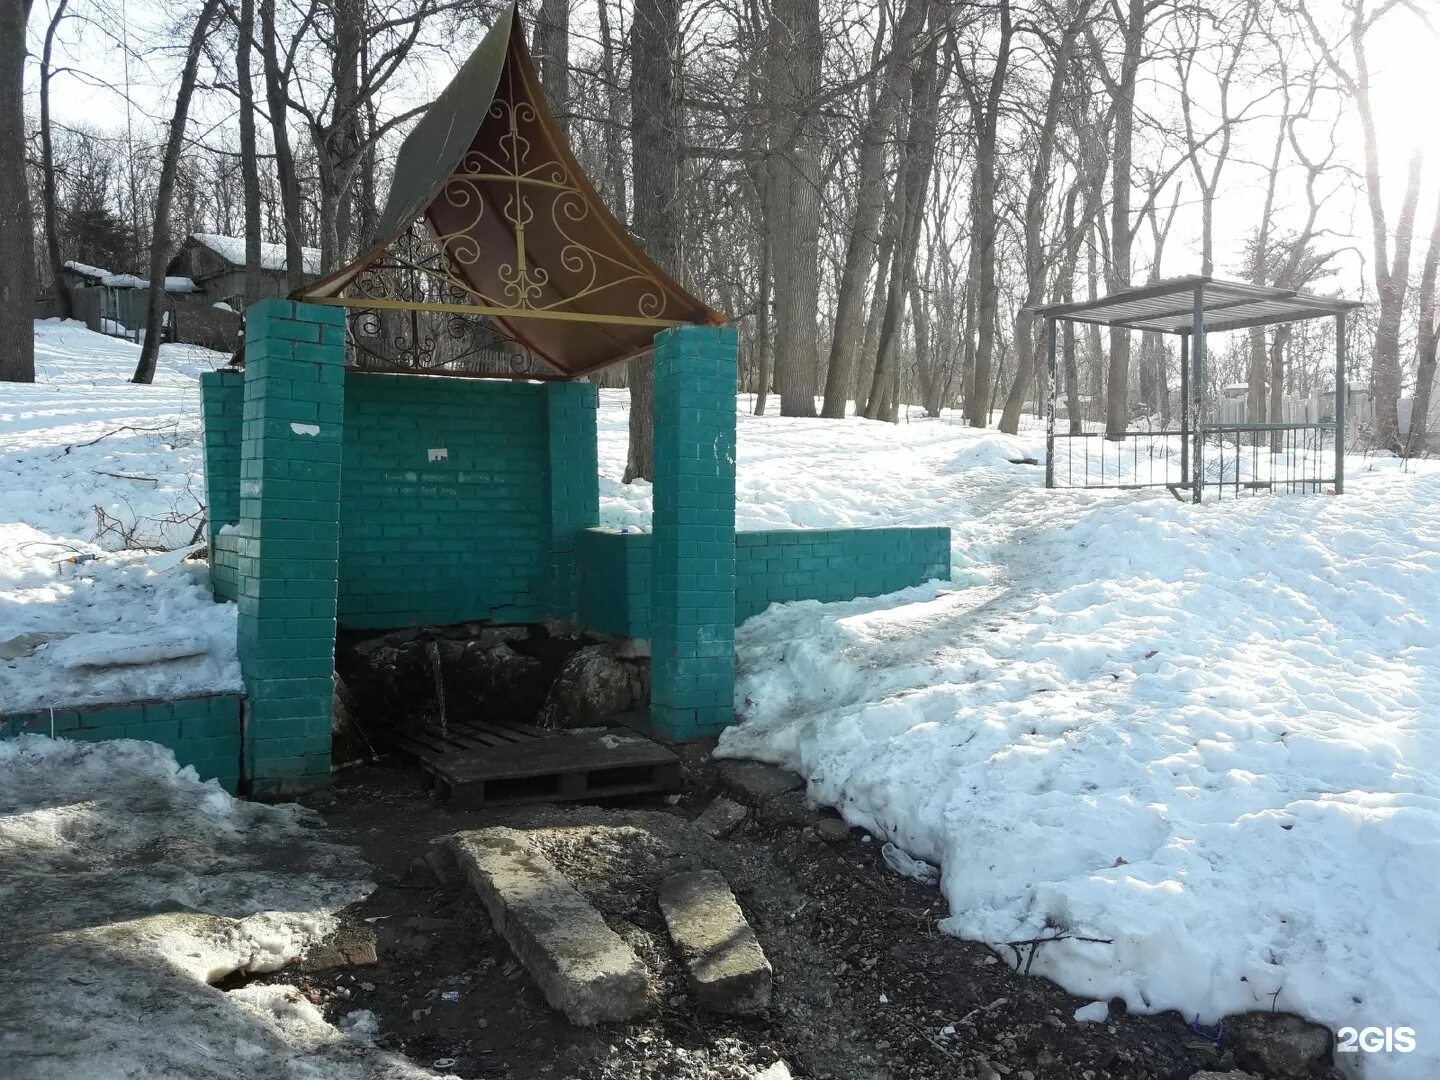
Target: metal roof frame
column 1168, row 306
column 512, row 230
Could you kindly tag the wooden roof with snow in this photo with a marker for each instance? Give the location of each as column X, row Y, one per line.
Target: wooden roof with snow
column 230, row 250
column 490, row 215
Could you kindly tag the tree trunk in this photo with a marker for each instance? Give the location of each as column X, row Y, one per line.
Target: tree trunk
column 919, row 159
column 17, row 229
column 249, row 164
column 762, row 324
column 275, row 98
column 1385, row 370
column 987, row 120
column 165, row 193
column 1277, row 383
column 552, row 52
column 864, row 373
column 1426, row 338
column 614, row 142
column 1117, row 383
column 655, row 165
column 863, row 242
column 795, row 53
column 64, row 303
column 1034, row 249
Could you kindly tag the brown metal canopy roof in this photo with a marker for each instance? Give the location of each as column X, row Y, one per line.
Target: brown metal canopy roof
column 522, row 236
column 1168, row 306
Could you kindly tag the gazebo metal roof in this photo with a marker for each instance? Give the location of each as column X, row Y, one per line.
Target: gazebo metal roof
column 512, row 229
column 1168, row 306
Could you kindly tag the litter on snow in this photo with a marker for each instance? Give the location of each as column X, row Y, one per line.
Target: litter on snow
column 905, row 866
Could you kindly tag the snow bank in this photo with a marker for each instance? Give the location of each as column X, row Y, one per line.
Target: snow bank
column 128, row 886
column 1205, row 734
column 90, row 462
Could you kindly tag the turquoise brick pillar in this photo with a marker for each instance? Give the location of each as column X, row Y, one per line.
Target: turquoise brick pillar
column 573, row 482
column 289, row 540
column 222, row 398
column 692, row 616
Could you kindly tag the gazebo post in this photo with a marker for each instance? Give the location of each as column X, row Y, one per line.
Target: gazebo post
column 1050, row 327
column 1340, row 403
column 1197, row 384
column 1184, row 410
column 692, row 599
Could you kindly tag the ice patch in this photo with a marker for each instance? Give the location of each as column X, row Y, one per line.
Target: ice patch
column 113, row 650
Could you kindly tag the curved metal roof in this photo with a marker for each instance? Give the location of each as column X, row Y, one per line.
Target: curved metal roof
column 1169, row 306
column 522, row 236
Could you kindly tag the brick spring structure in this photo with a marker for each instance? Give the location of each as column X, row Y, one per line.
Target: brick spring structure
column 356, row 500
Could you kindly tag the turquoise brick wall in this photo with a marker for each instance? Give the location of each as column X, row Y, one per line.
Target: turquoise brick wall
column 834, row 564
column 615, row 573
column 204, row 731
column 378, row 501
column 222, row 402
column 225, row 565
column 770, row 567
column 287, row 540
column 463, row 499
column 222, row 395
column 572, row 488
column 692, row 611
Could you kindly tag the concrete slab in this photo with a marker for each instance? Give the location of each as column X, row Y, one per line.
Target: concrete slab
column 754, row 782
column 727, row 969
column 582, row 966
column 721, row 817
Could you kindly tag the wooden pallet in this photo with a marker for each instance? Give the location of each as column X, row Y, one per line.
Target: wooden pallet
column 491, row 763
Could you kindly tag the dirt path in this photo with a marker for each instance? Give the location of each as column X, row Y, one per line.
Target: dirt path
column 866, row 987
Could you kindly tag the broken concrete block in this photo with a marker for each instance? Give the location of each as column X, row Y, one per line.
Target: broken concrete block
column 721, row 817
column 727, row 969
column 581, row 966
column 357, row 951
column 753, row 782
column 1280, row 1043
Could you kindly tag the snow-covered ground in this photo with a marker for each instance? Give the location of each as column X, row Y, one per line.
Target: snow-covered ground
column 1209, row 736
column 128, row 888
column 93, row 470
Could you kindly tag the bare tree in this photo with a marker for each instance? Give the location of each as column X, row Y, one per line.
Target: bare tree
column 64, row 305
column 165, row 192
column 655, row 153
column 985, row 114
column 1037, row 194
column 1391, row 270
column 862, row 245
column 1131, row 16
column 249, row 160
column 919, row 158
column 17, row 250
column 794, row 58
column 552, row 51
column 1426, row 337
column 277, row 76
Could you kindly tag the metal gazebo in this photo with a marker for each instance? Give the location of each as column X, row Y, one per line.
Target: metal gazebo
column 1193, row 307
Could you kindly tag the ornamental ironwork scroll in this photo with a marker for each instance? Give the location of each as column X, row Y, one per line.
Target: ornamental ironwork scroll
column 513, row 190
column 415, row 325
